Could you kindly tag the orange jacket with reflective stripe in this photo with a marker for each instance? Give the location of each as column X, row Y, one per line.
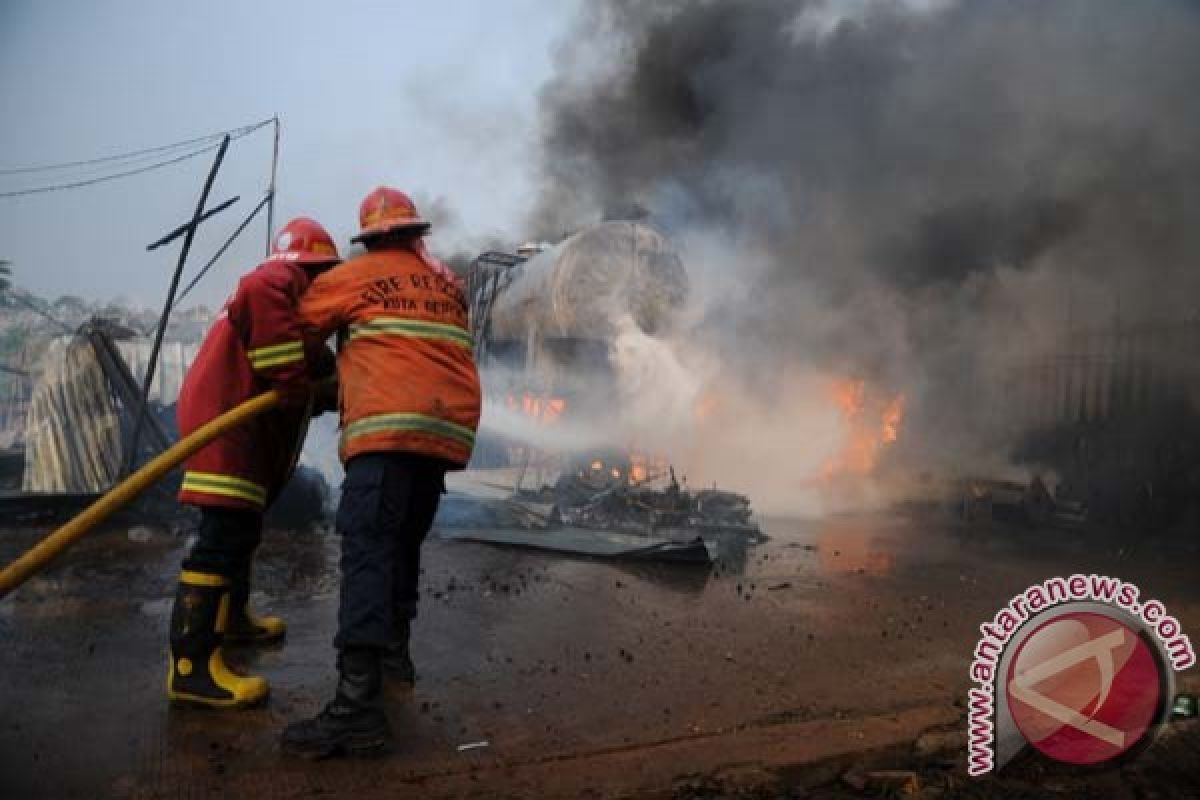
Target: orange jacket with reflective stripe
column 406, row 370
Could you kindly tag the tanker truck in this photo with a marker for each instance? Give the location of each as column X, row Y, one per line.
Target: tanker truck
column 545, row 320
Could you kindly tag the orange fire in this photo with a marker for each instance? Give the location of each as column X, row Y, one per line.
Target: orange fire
column 892, row 417
column 642, row 467
column 872, row 426
column 545, row 410
column 706, row 405
column 645, row 467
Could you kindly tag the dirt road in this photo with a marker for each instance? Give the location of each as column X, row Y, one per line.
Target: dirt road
column 838, row 637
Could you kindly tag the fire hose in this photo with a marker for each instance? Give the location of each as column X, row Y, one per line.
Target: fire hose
column 41, row 554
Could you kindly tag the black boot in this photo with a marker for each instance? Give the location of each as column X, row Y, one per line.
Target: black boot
column 245, row 626
column 197, row 674
column 353, row 723
column 397, row 661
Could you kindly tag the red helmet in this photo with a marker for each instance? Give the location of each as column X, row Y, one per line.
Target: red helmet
column 304, row 241
column 386, row 210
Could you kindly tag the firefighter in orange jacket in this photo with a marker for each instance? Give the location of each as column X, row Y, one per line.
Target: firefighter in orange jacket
column 255, row 344
column 410, row 403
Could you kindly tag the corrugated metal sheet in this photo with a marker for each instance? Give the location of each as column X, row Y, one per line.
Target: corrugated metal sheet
column 72, row 430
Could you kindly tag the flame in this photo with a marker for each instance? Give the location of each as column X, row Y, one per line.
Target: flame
column 642, row 467
column 545, row 410
column 893, row 415
column 871, row 427
column 707, row 404
column 638, row 471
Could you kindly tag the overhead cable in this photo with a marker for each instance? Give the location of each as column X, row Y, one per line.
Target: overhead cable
column 212, row 137
column 240, row 132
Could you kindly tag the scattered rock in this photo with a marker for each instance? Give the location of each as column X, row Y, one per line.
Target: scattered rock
column 140, row 534
column 902, row 782
column 855, row 780
column 940, row 742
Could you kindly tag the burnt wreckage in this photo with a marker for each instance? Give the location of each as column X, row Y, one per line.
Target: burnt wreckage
column 545, row 320
column 1110, row 417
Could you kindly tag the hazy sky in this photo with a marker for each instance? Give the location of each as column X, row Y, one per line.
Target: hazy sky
column 439, row 99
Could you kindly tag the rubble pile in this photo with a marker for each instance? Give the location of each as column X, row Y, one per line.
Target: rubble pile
column 576, row 501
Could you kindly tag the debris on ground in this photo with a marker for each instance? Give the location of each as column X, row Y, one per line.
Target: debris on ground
column 939, row 742
column 889, row 782
column 987, row 499
column 595, row 511
column 597, row 544
column 580, row 499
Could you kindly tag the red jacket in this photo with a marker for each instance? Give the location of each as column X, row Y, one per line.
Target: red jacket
column 406, row 373
column 255, row 344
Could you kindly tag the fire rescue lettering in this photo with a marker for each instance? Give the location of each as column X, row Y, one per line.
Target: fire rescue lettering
column 388, row 292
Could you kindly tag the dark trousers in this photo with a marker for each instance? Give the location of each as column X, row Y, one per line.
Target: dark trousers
column 387, row 507
column 226, row 541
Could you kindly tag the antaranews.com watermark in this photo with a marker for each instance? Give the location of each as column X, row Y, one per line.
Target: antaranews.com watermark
column 1081, row 631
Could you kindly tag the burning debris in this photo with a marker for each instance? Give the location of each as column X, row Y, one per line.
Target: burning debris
column 904, row 193
column 567, row 397
column 608, row 505
column 604, row 495
column 985, row 499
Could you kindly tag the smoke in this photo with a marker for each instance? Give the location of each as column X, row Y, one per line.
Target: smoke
column 910, row 193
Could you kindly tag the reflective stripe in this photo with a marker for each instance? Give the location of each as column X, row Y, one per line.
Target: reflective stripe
column 273, row 349
column 202, row 579
column 225, row 486
column 278, row 360
column 276, row 354
column 415, row 328
column 409, row 423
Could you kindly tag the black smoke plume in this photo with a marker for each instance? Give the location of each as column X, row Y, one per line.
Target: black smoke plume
column 916, row 192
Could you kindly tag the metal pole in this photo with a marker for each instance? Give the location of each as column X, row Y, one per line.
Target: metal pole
column 140, row 412
column 182, row 229
column 271, row 189
column 221, row 251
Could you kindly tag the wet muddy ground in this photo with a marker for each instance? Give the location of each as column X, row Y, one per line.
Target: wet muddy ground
column 840, row 639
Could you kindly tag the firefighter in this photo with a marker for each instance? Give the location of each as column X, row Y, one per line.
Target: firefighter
column 255, row 344
column 410, row 404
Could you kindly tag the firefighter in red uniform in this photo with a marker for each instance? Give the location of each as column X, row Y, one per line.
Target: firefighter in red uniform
column 256, row 344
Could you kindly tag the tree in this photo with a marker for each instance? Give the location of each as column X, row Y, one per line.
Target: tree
column 5, row 276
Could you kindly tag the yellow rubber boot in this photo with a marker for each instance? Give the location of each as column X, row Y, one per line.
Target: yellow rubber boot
column 198, row 674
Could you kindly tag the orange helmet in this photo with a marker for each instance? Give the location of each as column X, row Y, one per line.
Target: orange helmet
column 386, row 210
column 304, row 241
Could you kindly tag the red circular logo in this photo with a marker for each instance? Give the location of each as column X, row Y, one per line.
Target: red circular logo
column 1084, row 687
